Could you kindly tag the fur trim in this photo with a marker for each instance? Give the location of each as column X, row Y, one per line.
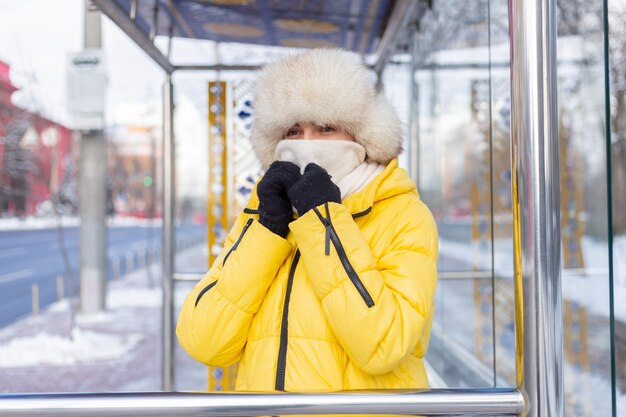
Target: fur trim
column 323, row 86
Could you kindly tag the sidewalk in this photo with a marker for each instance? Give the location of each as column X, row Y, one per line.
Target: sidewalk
column 116, row 350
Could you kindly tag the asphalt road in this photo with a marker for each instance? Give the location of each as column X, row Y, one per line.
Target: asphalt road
column 30, row 257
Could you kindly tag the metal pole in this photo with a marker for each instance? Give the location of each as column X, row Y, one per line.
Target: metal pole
column 169, row 244
column 129, row 262
column 117, row 268
column 492, row 402
column 414, row 145
column 92, row 195
column 120, row 17
column 60, row 288
column 402, row 13
column 535, row 183
column 35, row 299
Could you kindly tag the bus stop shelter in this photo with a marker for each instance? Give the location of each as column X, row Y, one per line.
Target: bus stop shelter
column 376, row 29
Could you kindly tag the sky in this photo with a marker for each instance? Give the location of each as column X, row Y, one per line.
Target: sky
column 37, row 35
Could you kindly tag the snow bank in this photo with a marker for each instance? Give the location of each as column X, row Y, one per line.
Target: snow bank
column 33, row 223
column 133, row 222
column 134, row 297
column 36, row 223
column 83, row 347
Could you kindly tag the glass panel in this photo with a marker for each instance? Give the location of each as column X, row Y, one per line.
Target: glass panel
column 192, row 164
column 453, row 83
column 211, row 161
column 584, row 224
column 617, row 125
column 41, row 149
column 501, row 183
column 464, row 130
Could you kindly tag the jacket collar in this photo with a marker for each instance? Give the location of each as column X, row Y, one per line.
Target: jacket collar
column 392, row 181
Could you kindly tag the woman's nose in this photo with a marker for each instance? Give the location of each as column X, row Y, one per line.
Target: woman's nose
column 308, row 133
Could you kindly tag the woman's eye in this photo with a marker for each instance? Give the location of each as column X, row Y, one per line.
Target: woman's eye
column 328, row 129
column 292, row 133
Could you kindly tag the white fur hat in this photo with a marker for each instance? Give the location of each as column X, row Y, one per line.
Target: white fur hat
column 324, row 87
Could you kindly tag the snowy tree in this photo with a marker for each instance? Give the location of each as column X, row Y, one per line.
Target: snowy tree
column 581, row 17
column 617, row 73
column 17, row 163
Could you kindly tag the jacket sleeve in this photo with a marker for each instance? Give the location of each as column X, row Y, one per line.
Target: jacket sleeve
column 216, row 315
column 378, row 307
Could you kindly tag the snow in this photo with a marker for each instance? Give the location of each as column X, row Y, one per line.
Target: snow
column 84, row 346
column 37, row 223
column 133, row 222
column 34, row 223
column 590, row 290
column 118, row 349
column 135, row 297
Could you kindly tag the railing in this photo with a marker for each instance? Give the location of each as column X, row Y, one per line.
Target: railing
column 485, row 402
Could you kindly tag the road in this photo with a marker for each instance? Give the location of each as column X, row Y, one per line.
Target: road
column 30, row 257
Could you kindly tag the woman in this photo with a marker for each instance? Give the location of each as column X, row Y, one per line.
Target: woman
column 327, row 279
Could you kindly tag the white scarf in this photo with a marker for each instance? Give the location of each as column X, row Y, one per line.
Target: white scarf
column 343, row 160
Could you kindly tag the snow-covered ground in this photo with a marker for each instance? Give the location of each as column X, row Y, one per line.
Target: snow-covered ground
column 115, row 350
column 590, row 289
column 34, row 222
column 82, row 347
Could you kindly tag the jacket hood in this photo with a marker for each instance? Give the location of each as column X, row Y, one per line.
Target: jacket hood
column 323, row 87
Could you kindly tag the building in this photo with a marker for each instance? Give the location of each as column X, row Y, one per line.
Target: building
column 134, row 161
column 36, row 161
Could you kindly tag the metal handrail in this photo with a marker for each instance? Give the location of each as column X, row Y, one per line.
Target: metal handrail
column 441, row 275
column 486, row 402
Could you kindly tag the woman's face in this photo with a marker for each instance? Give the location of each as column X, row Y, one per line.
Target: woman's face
column 309, row 131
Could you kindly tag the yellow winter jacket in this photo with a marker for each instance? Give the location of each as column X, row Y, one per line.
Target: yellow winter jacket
column 345, row 302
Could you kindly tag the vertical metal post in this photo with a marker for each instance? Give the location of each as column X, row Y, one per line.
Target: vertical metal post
column 169, row 244
column 535, row 169
column 414, row 144
column 92, row 195
column 60, row 288
column 35, row 296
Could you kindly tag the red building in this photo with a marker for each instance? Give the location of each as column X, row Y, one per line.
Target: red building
column 36, row 161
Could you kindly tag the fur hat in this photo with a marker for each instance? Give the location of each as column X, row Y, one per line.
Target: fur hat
column 323, row 87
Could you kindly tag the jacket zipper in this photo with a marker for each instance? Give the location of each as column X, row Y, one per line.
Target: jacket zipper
column 284, row 331
column 204, row 290
column 331, row 235
column 243, row 232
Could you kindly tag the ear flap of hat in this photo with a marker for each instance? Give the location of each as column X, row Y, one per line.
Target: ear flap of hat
column 263, row 145
column 381, row 135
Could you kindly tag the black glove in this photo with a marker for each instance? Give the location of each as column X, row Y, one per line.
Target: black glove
column 313, row 188
column 275, row 210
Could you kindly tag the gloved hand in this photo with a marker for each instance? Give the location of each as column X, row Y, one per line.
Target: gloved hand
column 275, row 210
column 314, row 188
